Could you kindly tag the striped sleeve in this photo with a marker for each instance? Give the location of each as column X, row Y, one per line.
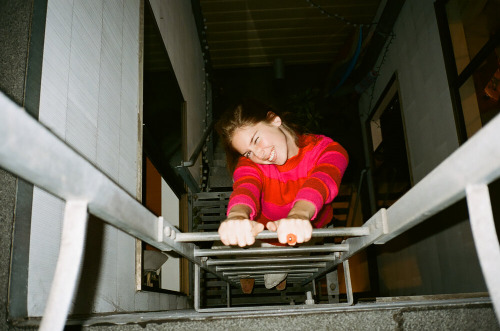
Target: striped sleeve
column 323, row 183
column 247, row 187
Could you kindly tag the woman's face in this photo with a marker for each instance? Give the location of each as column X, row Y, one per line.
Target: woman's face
column 265, row 143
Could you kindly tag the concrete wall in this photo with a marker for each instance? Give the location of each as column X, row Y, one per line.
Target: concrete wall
column 439, row 255
column 178, row 29
column 15, row 18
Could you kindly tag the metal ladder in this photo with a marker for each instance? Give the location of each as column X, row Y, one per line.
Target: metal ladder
column 304, row 264
column 208, row 210
column 57, row 168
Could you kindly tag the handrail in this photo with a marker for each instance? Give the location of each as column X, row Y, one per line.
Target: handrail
column 476, row 162
column 198, row 148
column 31, row 151
column 182, row 168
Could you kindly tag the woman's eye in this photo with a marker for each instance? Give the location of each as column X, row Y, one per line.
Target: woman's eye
column 256, row 140
column 247, row 155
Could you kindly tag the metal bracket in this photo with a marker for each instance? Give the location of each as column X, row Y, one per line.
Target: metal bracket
column 332, row 286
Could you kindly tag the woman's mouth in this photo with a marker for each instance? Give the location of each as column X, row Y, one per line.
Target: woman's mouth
column 272, row 156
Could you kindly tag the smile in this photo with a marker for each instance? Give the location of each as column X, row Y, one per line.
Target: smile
column 272, row 156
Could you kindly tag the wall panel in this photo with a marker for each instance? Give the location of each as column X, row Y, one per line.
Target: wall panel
column 437, row 256
column 90, row 98
column 178, row 30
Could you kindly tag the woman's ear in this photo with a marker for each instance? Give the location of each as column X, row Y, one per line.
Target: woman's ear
column 276, row 121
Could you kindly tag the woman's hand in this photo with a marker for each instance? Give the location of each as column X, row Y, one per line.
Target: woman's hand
column 298, row 223
column 238, row 229
column 301, row 228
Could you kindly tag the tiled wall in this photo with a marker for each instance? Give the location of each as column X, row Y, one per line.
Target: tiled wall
column 90, row 98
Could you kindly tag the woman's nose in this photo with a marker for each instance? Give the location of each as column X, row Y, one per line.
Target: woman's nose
column 260, row 153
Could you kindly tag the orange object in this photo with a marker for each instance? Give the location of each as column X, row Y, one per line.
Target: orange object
column 291, row 239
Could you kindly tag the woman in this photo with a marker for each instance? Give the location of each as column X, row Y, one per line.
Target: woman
column 284, row 180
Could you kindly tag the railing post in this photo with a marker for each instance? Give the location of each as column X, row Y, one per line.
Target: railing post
column 485, row 239
column 68, row 266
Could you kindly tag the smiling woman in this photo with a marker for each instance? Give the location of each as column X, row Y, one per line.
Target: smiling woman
column 265, row 143
column 283, row 179
column 278, row 173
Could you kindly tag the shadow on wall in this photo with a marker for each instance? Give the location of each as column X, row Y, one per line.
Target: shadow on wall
column 91, row 267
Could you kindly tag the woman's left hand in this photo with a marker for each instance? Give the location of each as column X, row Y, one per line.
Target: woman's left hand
column 298, row 223
column 293, row 224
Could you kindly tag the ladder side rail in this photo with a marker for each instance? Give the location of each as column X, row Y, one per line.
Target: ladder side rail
column 477, row 161
column 442, row 187
column 378, row 228
column 30, row 150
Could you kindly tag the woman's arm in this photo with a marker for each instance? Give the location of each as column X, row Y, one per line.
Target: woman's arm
column 320, row 188
column 323, row 183
column 239, row 228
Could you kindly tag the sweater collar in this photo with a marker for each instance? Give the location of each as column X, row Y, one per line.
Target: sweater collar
column 306, row 142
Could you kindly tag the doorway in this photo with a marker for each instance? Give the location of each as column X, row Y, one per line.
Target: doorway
column 390, row 159
column 164, row 141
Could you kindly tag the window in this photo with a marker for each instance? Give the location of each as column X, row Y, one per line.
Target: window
column 470, row 36
column 391, row 172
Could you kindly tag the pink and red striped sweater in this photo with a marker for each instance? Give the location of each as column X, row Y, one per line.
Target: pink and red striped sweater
column 314, row 174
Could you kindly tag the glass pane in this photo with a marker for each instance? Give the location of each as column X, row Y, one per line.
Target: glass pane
column 471, row 23
column 480, row 95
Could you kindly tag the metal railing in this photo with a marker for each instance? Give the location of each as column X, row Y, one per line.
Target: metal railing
column 183, row 170
column 31, row 151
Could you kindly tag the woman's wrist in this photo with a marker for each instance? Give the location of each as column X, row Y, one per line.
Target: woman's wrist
column 239, row 212
column 302, row 209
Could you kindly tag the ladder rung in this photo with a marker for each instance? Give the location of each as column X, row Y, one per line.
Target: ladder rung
column 317, row 233
column 260, row 267
column 322, row 258
column 270, row 271
column 272, row 250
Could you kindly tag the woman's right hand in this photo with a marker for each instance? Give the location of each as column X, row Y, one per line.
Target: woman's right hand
column 238, row 230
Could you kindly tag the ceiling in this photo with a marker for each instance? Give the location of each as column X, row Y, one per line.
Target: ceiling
column 254, row 33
